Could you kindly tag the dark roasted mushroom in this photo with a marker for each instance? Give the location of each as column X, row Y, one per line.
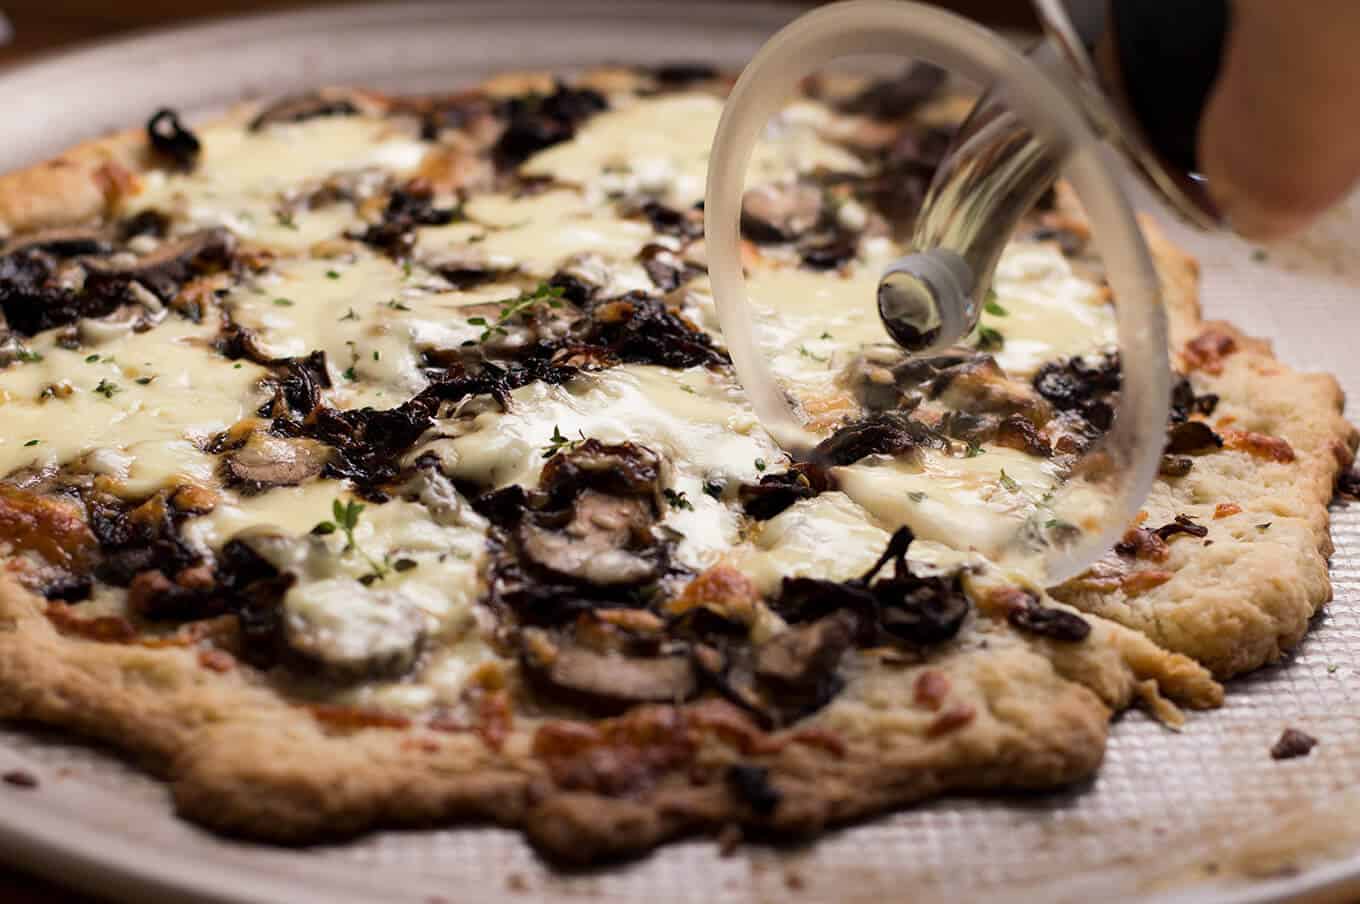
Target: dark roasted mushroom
column 172, row 140
column 272, row 461
column 535, row 122
column 169, row 267
column 883, row 433
column 606, row 542
column 780, row 212
column 301, row 107
column 65, row 242
column 776, row 492
column 1190, row 437
column 605, row 682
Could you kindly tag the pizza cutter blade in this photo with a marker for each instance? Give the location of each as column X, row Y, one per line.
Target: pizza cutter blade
column 1034, row 123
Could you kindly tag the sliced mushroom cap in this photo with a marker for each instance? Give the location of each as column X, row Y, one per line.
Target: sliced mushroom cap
column 67, row 242
column 347, row 632
column 171, row 265
column 301, row 107
column 605, row 682
column 980, row 386
column 807, row 655
column 274, row 461
column 780, row 212
column 605, row 542
column 624, row 469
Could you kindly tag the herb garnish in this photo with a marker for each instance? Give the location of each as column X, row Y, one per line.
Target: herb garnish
column 677, row 500
column 107, row 389
column 29, row 357
column 346, row 520
column 558, row 443
column 332, row 274
column 513, row 307
column 990, row 339
column 32, row 442
column 349, row 315
column 1008, row 482
column 283, row 302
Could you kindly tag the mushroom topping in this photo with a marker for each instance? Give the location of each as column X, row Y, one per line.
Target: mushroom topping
column 172, row 140
column 535, row 122
column 266, row 460
column 349, row 632
column 167, row 268
column 776, row 492
column 804, row 658
column 301, row 107
column 884, row 433
column 780, row 212
column 606, row 682
column 980, row 386
column 607, row 541
column 67, row 242
column 1082, row 386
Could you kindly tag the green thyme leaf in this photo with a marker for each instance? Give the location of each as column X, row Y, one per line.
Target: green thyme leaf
column 1008, row 482
column 283, row 302
column 32, row 442
column 677, row 500
column 990, row 339
column 107, row 389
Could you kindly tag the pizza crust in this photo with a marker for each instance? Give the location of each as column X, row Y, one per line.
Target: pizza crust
column 245, row 762
column 1247, row 598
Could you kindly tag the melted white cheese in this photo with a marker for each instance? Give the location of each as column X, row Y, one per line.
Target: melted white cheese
column 828, row 536
column 241, row 175
column 1050, row 311
column 372, row 319
column 707, row 430
column 144, row 435
column 963, row 502
column 660, row 146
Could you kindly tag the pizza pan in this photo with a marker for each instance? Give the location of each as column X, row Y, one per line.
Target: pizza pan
column 1201, row 815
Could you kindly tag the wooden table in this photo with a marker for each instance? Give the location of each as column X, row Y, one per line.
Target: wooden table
column 40, row 26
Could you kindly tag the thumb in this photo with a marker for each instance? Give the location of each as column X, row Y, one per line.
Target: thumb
column 1280, row 140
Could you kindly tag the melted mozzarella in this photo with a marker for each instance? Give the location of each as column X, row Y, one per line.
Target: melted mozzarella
column 707, row 430
column 371, row 319
column 241, row 175
column 89, row 403
column 1050, row 311
column 828, row 536
column 660, row 147
column 963, row 502
column 537, row 234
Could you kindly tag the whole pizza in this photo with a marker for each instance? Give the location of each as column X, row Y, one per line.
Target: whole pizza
column 372, row 461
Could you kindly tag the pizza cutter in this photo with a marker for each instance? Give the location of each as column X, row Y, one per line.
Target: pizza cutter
column 1043, row 114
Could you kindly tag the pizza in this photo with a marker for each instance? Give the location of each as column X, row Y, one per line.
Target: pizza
column 376, row 461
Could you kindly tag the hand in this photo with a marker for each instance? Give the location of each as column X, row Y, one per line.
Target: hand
column 1280, row 139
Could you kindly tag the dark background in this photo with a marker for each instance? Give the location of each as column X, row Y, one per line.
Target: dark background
column 49, row 26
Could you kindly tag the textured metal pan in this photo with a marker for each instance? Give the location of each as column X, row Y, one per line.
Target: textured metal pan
column 1204, row 815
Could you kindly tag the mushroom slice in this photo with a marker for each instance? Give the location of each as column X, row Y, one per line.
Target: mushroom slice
column 349, row 632
column 780, row 212
column 301, row 107
column 171, row 265
column 67, row 242
column 273, row 461
column 605, row 543
column 805, row 657
column 604, row 682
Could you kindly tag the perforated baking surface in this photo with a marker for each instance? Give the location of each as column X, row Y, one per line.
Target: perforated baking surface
column 1201, row 815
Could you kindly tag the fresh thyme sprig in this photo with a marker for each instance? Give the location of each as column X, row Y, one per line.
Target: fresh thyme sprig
column 513, row 307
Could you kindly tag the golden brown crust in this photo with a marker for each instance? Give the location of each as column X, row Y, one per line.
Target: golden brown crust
column 1245, row 597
